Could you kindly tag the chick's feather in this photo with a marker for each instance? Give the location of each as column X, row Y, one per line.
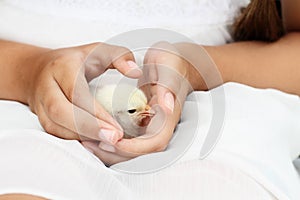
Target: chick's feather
column 127, row 104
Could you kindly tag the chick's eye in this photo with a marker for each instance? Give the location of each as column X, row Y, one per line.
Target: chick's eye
column 131, row 111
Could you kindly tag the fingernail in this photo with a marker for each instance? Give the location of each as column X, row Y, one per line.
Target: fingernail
column 110, row 136
column 135, row 71
column 107, row 147
column 169, row 101
column 132, row 65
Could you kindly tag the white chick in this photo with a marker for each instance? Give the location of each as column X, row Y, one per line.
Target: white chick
column 128, row 105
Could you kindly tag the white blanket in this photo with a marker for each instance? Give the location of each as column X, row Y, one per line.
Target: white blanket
column 252, row 160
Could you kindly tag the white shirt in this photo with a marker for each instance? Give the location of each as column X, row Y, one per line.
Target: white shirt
column 252, row 160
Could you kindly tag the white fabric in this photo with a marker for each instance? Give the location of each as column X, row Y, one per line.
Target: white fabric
column 252, row 160
column 55, row 23
column 137, row 13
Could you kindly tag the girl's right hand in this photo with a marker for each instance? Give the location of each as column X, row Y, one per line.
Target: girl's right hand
column 58, row 91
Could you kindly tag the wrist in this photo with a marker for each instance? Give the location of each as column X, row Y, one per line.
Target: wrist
column 30, row 69
column 19, row 63
column 203, row 71
column 213, row 53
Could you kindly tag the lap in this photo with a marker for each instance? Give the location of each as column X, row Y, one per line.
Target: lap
column 255, row 145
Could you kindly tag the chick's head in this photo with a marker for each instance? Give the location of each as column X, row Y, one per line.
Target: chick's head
column 138, row 109
column 131, row 110
column 128, row 105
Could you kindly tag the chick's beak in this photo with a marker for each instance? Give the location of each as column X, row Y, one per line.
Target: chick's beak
column 146, row 116
column 148, row 112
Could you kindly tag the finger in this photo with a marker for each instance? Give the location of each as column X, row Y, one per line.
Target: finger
column 123, row 60
column 163, row 65
column 139, row 146
column 150, row 142
column 83, row 98
column 108, row 158
column 168, row 74
column 169, row 80
column 150, row 75
column 157, row 137
column 76, row 90
column 105, row 56
column 165, row 98
column 169, row 77
column 55, row 129
column 120, row 152
column 153, row 100
column 127, row 67
column 64, row 113
column 96, row 59
column 148, row 80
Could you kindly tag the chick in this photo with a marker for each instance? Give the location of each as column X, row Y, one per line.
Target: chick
column 128, row 105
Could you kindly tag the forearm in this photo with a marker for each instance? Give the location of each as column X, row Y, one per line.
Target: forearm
column 17, row 69
column 262, row 65
column 291, row 16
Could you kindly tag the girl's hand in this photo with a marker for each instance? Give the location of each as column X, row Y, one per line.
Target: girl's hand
column 157, row 137
column 59, row 94
column 165, row 82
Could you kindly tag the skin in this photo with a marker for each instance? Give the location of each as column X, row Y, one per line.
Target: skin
column 258, row 64
column 27, row 71
column 54, row 83
column 269, row 69
column 20, row 196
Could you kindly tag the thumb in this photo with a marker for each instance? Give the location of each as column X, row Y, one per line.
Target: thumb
column 123, row 60
column 127, row 67
column 101, row 56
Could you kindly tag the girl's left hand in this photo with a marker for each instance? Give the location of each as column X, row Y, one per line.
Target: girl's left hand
column 166, row 90
column 157, row 137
